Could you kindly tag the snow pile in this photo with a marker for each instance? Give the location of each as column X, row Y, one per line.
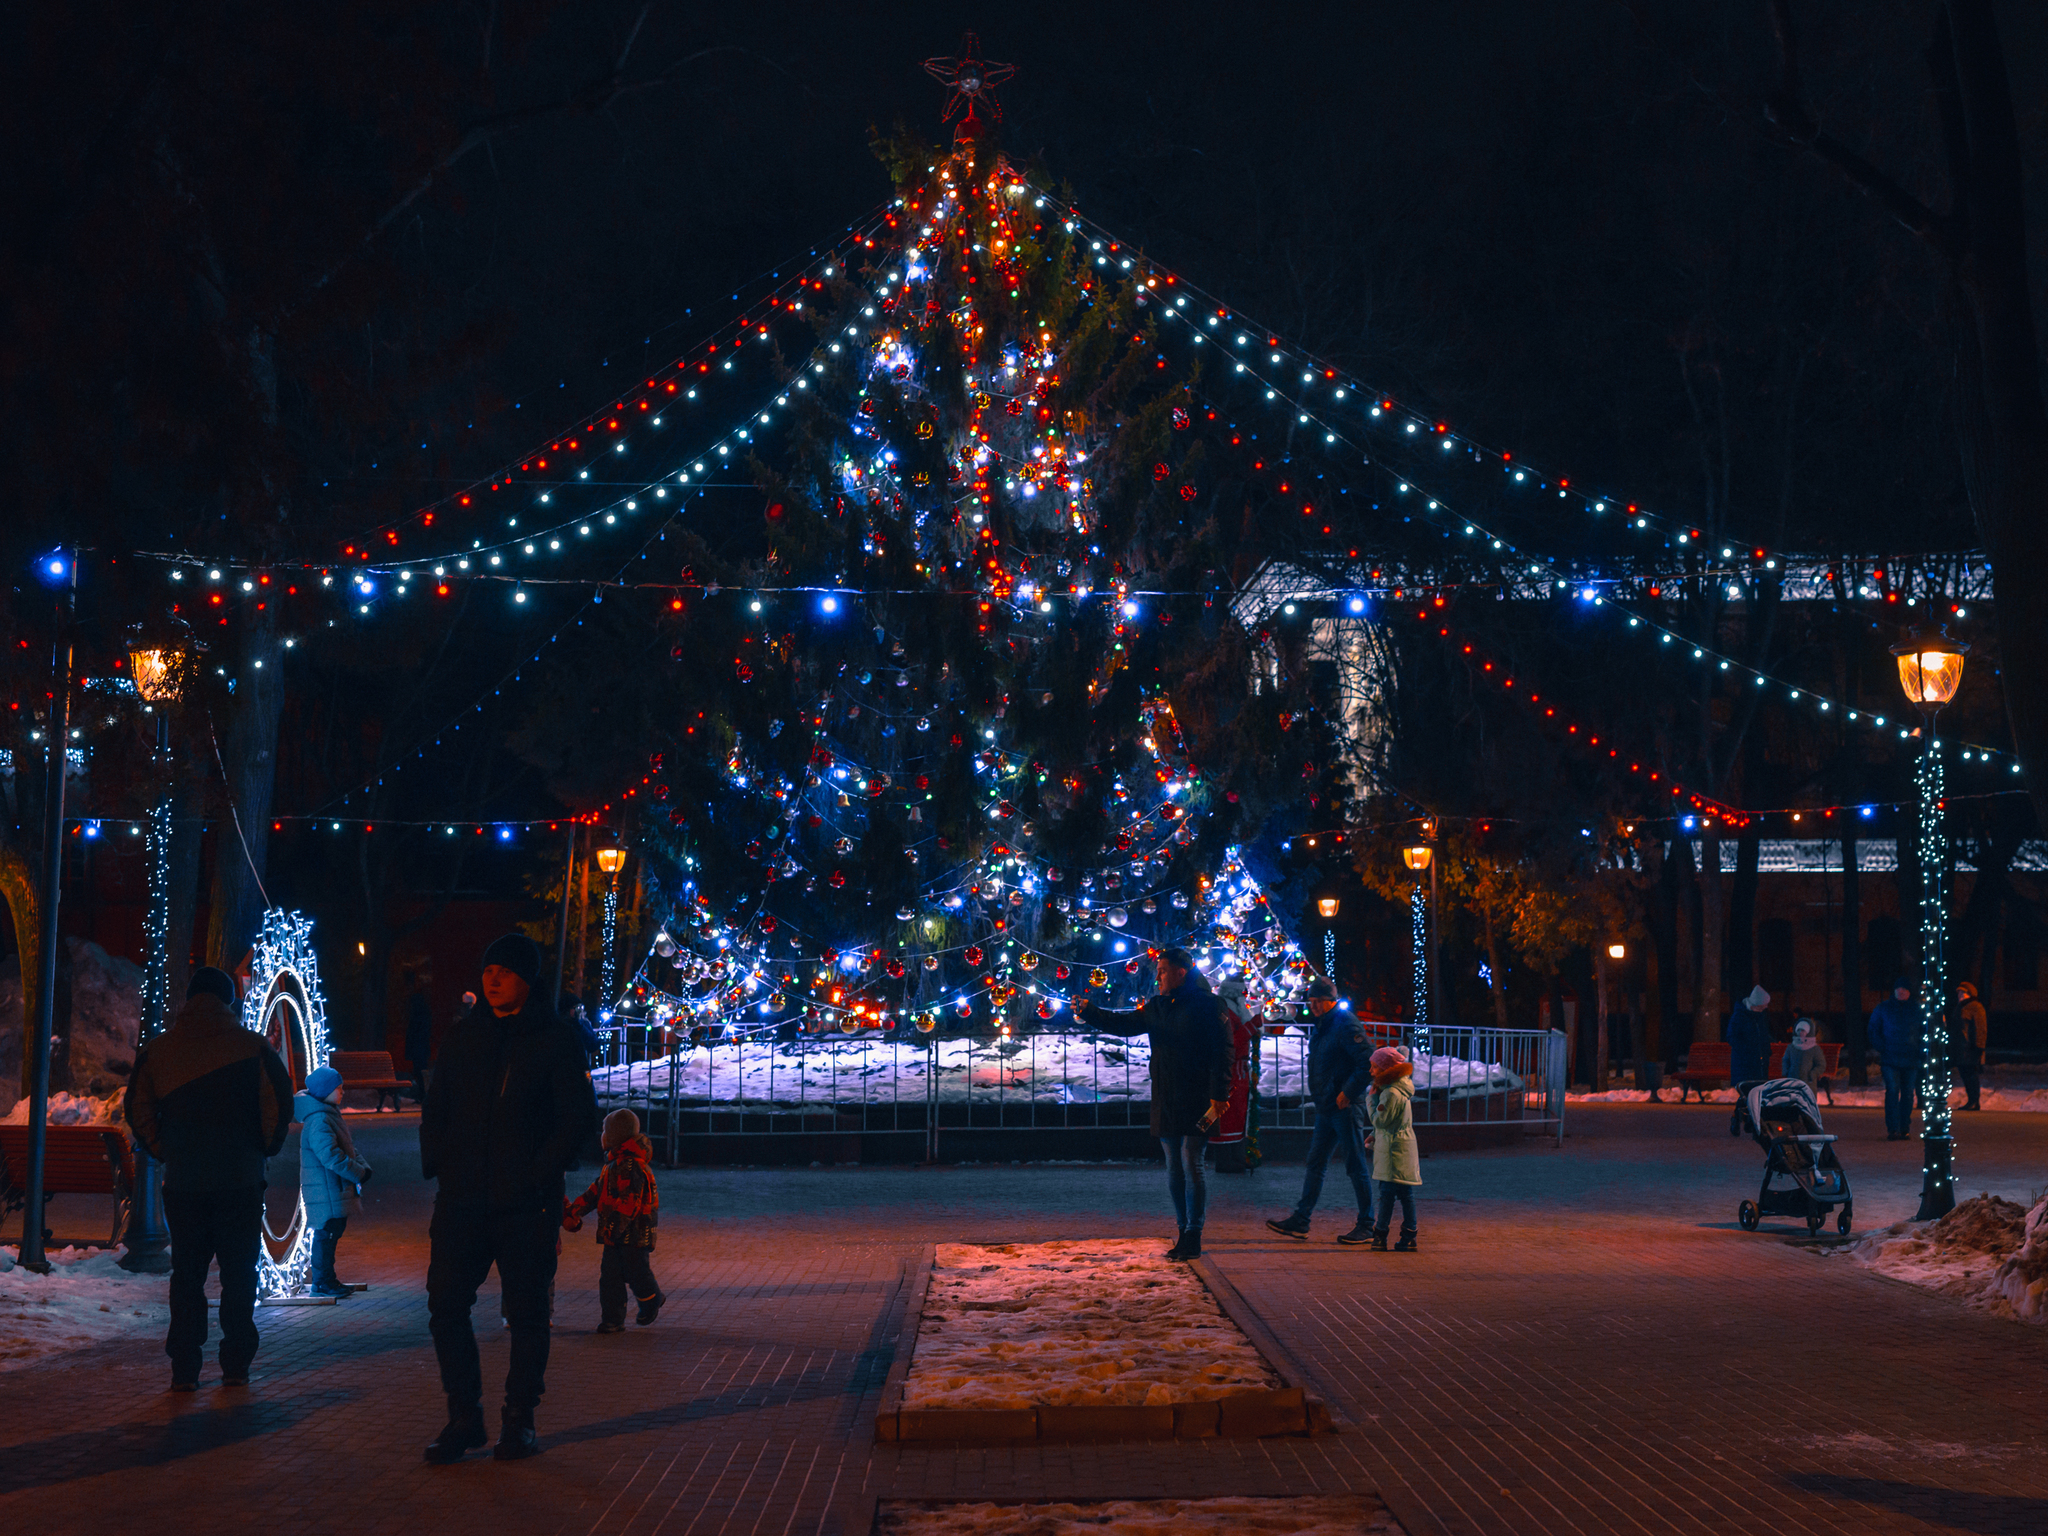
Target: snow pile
column 73, row 1109
column 106, row 1003
column 1343, row 1515
column 1102, row 1323
column 1987, row 1251
column 1081, row 1068
column 85, row 1298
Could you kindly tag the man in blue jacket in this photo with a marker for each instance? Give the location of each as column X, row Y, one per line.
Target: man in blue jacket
column 1190, row 1041
column 1339, row 1072
column 1895, row 1034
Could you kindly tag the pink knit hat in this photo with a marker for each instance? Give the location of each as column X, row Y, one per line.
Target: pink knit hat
column 1388, row 1057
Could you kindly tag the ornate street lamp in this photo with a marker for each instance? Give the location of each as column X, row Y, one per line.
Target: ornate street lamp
column 1930, row 670
column 1327, row 906
column 155, row 675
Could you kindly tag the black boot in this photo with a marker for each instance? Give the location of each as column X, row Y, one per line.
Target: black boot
column 1189, row 1246
column 650, row 1308
column 1379, row 1241
column 517, row 1441
column 1407, row 1243
column 1290, row 1225
column 1359, row 1235
column 463, row 1432
column 323, row 1282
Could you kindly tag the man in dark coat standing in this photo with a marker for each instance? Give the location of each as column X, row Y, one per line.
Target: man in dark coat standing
column 1339, row 1073
column 509, row 1106
column 211, row 1101
column 1190, row 1079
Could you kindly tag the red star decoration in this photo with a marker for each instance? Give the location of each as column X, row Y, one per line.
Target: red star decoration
column 969, row 78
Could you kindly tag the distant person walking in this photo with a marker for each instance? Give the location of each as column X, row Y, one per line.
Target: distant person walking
column 1235, row 1136
column 1396, row 1161
column 211, row 1101
column 1895, row 1034
column 509, row 1105
column 332, row 1174
column 1190, row 1080
column 1970, row 1034
column 1749, row 1038
column 1339, row 1074
column 419, row 1037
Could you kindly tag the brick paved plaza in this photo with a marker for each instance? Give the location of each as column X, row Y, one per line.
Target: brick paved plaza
column 1586, row 1343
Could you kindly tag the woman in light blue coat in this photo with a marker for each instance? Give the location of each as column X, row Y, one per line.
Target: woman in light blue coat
column 331, row 1174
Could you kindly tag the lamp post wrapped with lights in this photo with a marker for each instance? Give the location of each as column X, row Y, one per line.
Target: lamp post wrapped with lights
column 155, row 675
column 1930, row 670
column 611, row 860
column 1419, row 858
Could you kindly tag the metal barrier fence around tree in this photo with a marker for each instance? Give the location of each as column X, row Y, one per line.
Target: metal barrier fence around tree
column 952, row 1089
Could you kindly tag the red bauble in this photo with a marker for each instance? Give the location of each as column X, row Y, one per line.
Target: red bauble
column 973, row 954
column 768, row 924
column 1063, row 972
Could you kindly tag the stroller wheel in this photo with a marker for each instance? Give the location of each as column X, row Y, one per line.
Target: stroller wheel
column 1842, row 1222
column 1813, row 1223
column 1749, row 1216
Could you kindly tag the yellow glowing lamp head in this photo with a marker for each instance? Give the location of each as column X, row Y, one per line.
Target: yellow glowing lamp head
column 153, row 675
column 1416, row 858
column 1930, row 667
column 611, row 860
column 1617, row 951
column 1327, row 905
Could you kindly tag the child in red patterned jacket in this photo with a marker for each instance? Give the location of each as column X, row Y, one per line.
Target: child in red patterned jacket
column 627, row 1206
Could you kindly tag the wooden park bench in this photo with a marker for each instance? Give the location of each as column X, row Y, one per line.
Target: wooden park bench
column 77, row 1160
column 1706, row 1066
column 370, row 1072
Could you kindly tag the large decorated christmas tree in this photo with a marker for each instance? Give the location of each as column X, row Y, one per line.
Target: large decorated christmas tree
column 944, row 781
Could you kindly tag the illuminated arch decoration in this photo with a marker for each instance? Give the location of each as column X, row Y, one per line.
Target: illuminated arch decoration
column 284, row 1005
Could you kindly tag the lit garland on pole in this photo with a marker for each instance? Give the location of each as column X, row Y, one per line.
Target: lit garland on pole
column 284, row 1004
column 1418, row 926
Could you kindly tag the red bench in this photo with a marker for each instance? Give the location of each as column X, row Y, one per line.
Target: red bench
column 370, row 1072
column 1706, row 1066
column 77, row 1160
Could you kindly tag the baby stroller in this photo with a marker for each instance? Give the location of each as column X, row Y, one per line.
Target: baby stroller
column 1783, row 1117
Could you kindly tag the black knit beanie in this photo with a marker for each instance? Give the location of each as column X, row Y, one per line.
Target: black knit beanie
column 517, row 953
column 212, row 983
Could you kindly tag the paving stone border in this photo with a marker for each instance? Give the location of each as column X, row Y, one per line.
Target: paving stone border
column 1285, row 1410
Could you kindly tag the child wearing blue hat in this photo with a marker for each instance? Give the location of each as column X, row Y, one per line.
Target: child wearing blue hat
column 331, row 1174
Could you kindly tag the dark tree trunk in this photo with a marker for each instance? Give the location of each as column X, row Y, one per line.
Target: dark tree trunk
column 249, row 755
column 1854, row 1019
column 1739, row 973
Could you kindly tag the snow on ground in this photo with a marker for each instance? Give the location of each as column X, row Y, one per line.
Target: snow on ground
column 1988, row 1252
column 85, row 1298
column 1313, row 1516
column 1108, row 1322
column 1045, row 1069
column 72, row 1109
column 2031, row 1100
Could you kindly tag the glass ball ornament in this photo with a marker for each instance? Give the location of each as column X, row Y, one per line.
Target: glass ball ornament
column 904, row 914
column 777, row 1000
column 973, row 954
column 1180, row 899
column 1098, row 977
column 1045, row 1009
column 927, row 1022
column 1028, row 960
column 1150, row 905
column 931, row 962
column 1064, row 903
column 1118, row 917
column 965, row 1009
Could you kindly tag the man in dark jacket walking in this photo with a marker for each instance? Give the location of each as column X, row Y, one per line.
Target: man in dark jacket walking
column 1339, row 1073
column 1190, row 1079
column 509, row 1105
column 211, row 1101
column 1895, row 1033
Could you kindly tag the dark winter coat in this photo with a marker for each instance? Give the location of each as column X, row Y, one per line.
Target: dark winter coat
column 419, row 1031
column 209, row 1100
column 331, row 1170
column 1190, row 1052
column 1895, row 1034
column 508, row 1108
column 624, row 1196
column 1339, row 1060
column 1749, row 1045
